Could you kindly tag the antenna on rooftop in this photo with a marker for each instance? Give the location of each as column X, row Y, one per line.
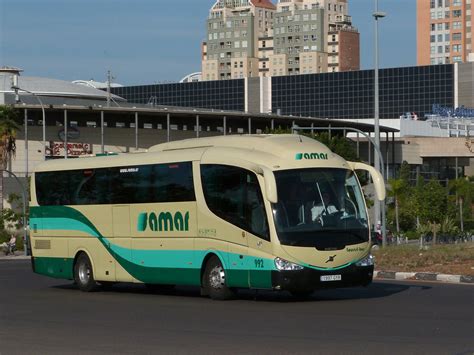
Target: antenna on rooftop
column 109, row 81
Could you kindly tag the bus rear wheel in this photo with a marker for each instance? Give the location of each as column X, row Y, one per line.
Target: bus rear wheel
column 83, row 274
column 214, row 281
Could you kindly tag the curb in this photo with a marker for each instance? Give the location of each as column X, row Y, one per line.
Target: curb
column 423, row 276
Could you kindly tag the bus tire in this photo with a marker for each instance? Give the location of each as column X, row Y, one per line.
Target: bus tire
column 83, row 274
column 214, row 281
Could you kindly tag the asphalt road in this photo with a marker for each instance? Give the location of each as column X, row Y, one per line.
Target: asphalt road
column 39, row 315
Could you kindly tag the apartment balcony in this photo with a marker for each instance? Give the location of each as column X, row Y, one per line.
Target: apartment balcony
column 344, row 19
column 335, row 28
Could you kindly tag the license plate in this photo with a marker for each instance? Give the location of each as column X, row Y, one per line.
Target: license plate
column 329, row 278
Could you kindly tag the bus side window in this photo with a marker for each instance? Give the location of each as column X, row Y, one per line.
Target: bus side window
column 40, row 188
column 131, row 184
column 91, row 187
column 52, row 188
column 170, row 182
column 173, row 182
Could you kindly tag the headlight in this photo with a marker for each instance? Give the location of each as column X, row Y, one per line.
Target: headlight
column 369, row 260
column 282, row 264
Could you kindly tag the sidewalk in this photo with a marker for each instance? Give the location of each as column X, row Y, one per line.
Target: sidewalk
column 19, row 255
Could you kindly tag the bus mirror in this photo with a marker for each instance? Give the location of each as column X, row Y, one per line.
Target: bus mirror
column 270, row 185
column 376, row 177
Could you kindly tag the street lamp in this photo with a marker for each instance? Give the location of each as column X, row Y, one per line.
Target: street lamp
column 16, row 88
column 378, row 15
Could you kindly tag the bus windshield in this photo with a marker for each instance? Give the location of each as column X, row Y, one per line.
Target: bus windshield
column 322, row 208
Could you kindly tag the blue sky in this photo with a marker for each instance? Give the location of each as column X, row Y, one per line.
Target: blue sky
column 148, row 41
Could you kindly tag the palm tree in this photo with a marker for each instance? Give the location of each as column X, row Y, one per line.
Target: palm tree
column 435, row 229
column 397, row 189
column 8, row 129
column 464, row 191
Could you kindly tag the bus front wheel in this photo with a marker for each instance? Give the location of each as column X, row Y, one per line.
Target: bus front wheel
column 214, row 280
column 83, row 274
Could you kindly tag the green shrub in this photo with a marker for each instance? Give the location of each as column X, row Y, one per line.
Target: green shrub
column 469, row 225
column 4, row 236
column 411, row 235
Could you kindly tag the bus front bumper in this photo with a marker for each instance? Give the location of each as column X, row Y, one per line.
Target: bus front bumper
column 311, row 279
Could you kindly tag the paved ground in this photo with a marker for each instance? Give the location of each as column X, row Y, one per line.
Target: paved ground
column 39, row 315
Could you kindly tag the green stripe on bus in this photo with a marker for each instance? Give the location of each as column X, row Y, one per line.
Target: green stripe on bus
column 40, row 213
column 160, row 266
column 59, row 268
column 148, row 265
column 59, row 223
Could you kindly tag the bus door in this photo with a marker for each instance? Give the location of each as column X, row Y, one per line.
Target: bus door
column 233, row 194
column 259, row 273
column 258, row 238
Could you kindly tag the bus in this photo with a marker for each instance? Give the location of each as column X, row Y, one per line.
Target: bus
column 274, row 212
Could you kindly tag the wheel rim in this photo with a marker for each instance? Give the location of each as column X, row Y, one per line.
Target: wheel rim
column 84, row 273
column 217, row 277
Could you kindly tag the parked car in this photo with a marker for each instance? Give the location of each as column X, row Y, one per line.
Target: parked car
column 409, row 116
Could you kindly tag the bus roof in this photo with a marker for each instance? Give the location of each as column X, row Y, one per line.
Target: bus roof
column 277, row 152
column 268, row 143
column 281, row 151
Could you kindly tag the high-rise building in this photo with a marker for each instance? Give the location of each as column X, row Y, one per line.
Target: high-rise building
column 343, row 45
column 233, row 29
column 295, row 37
column 444, row 31
column 343, row 39
column 299, row 38
column 314, row 36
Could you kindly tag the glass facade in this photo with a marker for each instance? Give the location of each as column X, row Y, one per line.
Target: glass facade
column 330, row 95
column 441, row 169
column 351, row 94
column 220, row 95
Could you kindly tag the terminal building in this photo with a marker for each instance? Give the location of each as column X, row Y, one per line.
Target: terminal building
column 134, row 118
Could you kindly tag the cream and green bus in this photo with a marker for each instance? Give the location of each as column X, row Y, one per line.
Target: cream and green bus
column 275, row 212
